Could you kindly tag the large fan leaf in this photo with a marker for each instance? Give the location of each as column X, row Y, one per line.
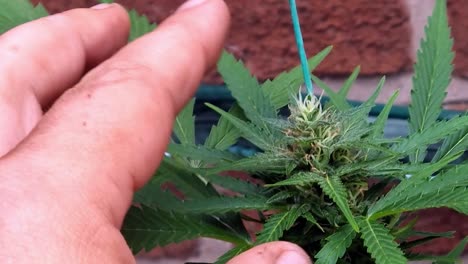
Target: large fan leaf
column 201, row 153
column 246, row 90
column 146, row 228
column 277, row 224
column 233, row 184
column 225, row 134
column 258, row 163
column 301, row 178
column 421, row 191
column 432, row 75
column 436, row 133
column 336, row 245
column 184, row 125
column 185, row 180
column 17, row 12
column 380, row 244
column 455, row 143
column 226, row 204
column 335, row 189
column 287, row 83
column 253, row 134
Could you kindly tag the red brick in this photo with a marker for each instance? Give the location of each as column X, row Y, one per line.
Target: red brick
column 372, row 33
column 458, row 15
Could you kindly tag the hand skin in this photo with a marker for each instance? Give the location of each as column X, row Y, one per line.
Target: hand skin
column 84, row 122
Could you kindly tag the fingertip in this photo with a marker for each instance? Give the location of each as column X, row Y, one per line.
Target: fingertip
column 273, row 253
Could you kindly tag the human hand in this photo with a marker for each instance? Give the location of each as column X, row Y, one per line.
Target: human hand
column 85, row 121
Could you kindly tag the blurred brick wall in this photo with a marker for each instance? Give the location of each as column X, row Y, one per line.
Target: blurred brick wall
column 375, row 34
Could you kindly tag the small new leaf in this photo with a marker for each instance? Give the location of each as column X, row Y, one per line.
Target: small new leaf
column 336, row 245
column 380, row 244
column 277, row 224
column 335, row 189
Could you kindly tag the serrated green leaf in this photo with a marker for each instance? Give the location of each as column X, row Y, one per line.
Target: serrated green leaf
column 335, row 99
column 201, row 153
column 184, row 125
column 232, row 253
column 246, row 90
column 18, row 12
column 153, row 195
column 370, row 102
column 277, row 224
column 457, row 142
column 436, row 133
column 260, row 162
column 344, row 90
column 447, row 189
column 456, row 199
column 336, row 245
column 335, row 189
column 249, row 132
column 147, row 228
column 140, row 25
column 301, row 178
column 379, row 123
column 225, row 134
column 184, row 179
column 219, row 205
column 380, row 244
column 280, row 196
column 235, row 185
column 432, row 75
column 311, row 219
column 286, row 84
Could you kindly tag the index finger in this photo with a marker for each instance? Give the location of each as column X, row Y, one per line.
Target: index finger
column 108, row 134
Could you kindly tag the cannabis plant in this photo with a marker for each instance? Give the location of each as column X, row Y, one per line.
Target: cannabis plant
column 323, row 177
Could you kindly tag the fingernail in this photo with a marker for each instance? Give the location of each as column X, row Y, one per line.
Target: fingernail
column 292, row 257
column 190, row 4
column 101, row 6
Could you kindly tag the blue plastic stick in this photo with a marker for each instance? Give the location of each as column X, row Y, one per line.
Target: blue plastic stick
column 300, row 47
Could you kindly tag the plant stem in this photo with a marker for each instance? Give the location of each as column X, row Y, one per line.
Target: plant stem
column 300, row 46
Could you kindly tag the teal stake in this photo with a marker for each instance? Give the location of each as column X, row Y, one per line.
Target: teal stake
column 300, row 46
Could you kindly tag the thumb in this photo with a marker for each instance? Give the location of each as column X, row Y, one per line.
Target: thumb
column 273, row 253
